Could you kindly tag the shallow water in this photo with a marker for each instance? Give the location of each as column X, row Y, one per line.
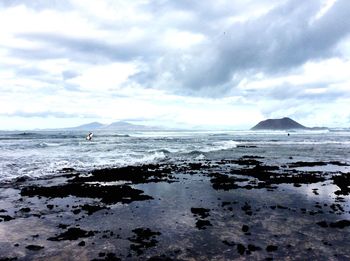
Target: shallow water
column 279, row 217
column 280, row 220
column 46, row 152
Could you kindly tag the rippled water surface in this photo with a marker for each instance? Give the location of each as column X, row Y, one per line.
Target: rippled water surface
column 45, row 152
column 212, row 196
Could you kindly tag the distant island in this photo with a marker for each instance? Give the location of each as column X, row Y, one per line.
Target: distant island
column 283, row 124
column 119, row 125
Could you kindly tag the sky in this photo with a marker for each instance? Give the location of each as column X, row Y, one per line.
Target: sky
column 181, row 64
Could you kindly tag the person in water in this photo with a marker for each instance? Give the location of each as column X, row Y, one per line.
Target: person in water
column 89, row 136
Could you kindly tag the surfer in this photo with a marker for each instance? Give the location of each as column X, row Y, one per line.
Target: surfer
column 89, row 136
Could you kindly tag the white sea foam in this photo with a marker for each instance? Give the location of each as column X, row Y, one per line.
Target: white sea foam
column 49, row 144
column 48, row 153
column 158, row 155
column 221, row 145
column 297, row 142
column 200, row 157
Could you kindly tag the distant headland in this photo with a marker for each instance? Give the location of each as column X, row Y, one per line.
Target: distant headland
column 118, row 125
column 283, row 124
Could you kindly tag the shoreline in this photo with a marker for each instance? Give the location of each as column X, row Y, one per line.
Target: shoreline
column 206, row 210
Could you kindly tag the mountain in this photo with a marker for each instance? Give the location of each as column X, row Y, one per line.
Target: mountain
column 122, row 125
column 118, row 125
column 89, row 126
column 279, row 124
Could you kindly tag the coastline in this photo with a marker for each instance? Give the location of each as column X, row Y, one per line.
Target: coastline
column 184, row 210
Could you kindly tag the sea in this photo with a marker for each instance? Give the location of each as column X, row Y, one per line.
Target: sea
column 35, row 154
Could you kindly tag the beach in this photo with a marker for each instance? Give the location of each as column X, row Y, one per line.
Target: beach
column 282, row 200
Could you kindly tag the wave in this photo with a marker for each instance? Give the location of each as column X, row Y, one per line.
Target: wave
column 219, row 134
column 216, row 146
column 195, row 153
column 277, row 142
column 48, row 144
column 152, row 157
column 165, row 151
column 222, row 145
column 121, row 135
column 200, row 157
column 27, row 134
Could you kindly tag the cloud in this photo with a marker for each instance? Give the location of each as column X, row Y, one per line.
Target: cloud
column 45, row 114
column 38, row 4
column 69, row 74
column 176, row 61
column 279, row 41
column 80, row 49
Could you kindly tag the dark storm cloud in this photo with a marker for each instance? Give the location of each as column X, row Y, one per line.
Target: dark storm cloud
column 275, row 43
column 82, row 49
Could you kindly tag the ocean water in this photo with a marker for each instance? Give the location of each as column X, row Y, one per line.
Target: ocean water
column 42, row 153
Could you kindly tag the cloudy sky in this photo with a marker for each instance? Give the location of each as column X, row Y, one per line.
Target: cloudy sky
column 210, row 64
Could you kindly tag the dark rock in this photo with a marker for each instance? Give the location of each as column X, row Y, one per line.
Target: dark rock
column 202, row 224
column 63, row 226
column 22, row 179
column 134, row 174
column 306, row 164
column 107, row 257
column 264, row 174
column 228, row 243
column 322, row 224
column 271, row 248
column 107, row 194
column 253, row 248
column 245, row 228
column 225, row 203
column 343, row 182
column 144, row 238
column 246, row 162
column 76, row 211
column 26, row 210
column 90, row 209
column 224, row 182
column 202, row 212
column 338, row 163
column 5, row 218
column 67, row 170
column 8, row 258
column 34, row 247
column 161, row 258
column 247, row 209
column 251, row 157
column 340, row 224
column 72, row 234
column 241, row 249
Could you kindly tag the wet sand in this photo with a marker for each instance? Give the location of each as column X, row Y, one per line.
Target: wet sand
column 229, row 209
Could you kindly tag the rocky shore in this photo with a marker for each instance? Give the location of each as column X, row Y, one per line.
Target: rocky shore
column 242, row 208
